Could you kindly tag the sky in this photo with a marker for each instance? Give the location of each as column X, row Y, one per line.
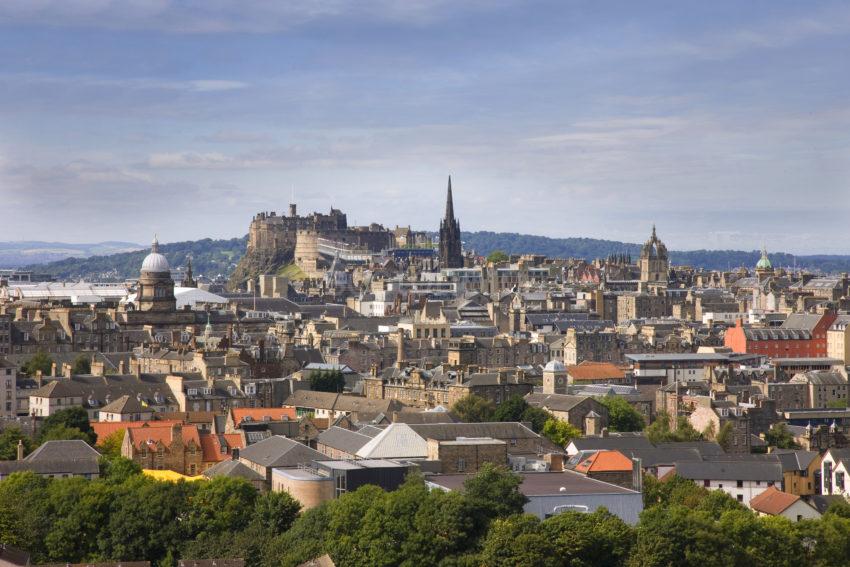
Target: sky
column 725, row 123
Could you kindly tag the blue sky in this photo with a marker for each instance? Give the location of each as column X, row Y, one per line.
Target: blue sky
column 725, row 123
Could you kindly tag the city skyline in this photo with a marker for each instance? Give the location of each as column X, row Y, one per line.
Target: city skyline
column 722, row 124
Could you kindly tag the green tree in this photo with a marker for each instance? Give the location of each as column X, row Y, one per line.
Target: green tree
column 327, row 381
column 560, row 432
column 497, row 257
column 81, row 365
column 148, row 519
column 518, row 540
column 80, row 509
column 275, row 512
column 622, row 416
column 9, row 443
column 778, row 436
column 25, row 513
column 474, row 409
column 110, row 446
column 61, row 432
column 724, row 436
column 587, row 540
column 660, row 431
column 494, row 492
column 511, row 409
column 304, row 541
column 69, row 418
column 117, row 469
column 39, row 361
column 675, row 536
column 537, row 417
column 221, row 505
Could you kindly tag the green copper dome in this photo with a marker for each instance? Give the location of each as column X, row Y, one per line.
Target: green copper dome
column 764, row 261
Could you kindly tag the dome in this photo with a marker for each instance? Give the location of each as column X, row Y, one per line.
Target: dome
column 155, row 262
column 764, row 261
column 554, row 366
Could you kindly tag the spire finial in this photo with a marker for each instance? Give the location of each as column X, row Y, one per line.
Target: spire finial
column 450, row 209
column 155, row 244
column 653, row 231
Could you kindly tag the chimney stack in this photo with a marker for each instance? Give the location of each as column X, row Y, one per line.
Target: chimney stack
column 20, row 449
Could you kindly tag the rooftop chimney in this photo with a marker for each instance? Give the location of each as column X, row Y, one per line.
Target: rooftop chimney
column 20, row 449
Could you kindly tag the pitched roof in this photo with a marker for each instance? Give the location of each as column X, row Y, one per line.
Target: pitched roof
column 153, row 433
column 233, row 469
column 278, row 451
column 104, row 429
column 604, row 461
column 743, row 469
column 261, row 414
column 343, row 439
column 554, row 402
column 217, row 448
column 773, row 501
column 588, row 370
column 125, row 404
column 398, row 440
column 57, row 450
column 57, row 457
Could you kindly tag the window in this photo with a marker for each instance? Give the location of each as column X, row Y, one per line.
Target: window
column 740, row 483
column 740, row 498
column 461, row 465
column 706, row 483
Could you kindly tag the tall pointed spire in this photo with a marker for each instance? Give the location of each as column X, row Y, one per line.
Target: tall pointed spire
column 451, row 253
column 450, row 208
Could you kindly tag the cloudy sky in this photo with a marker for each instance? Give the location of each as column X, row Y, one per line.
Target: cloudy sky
column 725, row 123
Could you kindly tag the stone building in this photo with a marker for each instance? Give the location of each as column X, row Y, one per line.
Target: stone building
column 596, row 346
column 451, row 255
column 654, row 262
column 423, row 388
column 175, row 447
column 467, row 455
column 641, row 306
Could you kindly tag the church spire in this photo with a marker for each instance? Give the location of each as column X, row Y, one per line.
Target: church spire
column 450, row 208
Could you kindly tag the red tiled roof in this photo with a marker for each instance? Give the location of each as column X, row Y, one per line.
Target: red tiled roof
column 152, row 434
column 605, row 461
column 773, row 501
column 588, row 370
column 104, row 429
column 212, row 450
column 259, row 414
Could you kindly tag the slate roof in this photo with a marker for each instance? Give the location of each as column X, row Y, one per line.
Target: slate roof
column 795, row 460
column 343, row 439
column 233, row 469
column 555, row 402
column 278, row 451
column 57, row 457
column 620, row 443
column 731, row 470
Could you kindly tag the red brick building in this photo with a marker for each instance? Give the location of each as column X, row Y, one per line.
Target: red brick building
column 802, row 335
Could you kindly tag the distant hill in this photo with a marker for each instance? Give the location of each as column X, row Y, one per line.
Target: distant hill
column 209, row 257
column 16, row 254
column 213, row 257
column 589, row 248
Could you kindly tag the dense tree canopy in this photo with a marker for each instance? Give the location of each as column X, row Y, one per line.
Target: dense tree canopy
column 621, row 415
column 127, row 516
column 39, row 361
column 474, row 409
column 82, row 365
column 327, row 381
column 660, row 430
column 69, row 423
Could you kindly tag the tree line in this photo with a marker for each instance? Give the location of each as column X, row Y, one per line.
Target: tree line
column 126, row 516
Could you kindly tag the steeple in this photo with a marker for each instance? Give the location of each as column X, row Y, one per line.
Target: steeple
column 451, row 253
column 450, row 208
column 155, row 245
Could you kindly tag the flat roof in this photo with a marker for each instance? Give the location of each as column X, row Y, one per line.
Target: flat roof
column 542, row 484
column 806, row 361
column 299, row 474
column 691, row 357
